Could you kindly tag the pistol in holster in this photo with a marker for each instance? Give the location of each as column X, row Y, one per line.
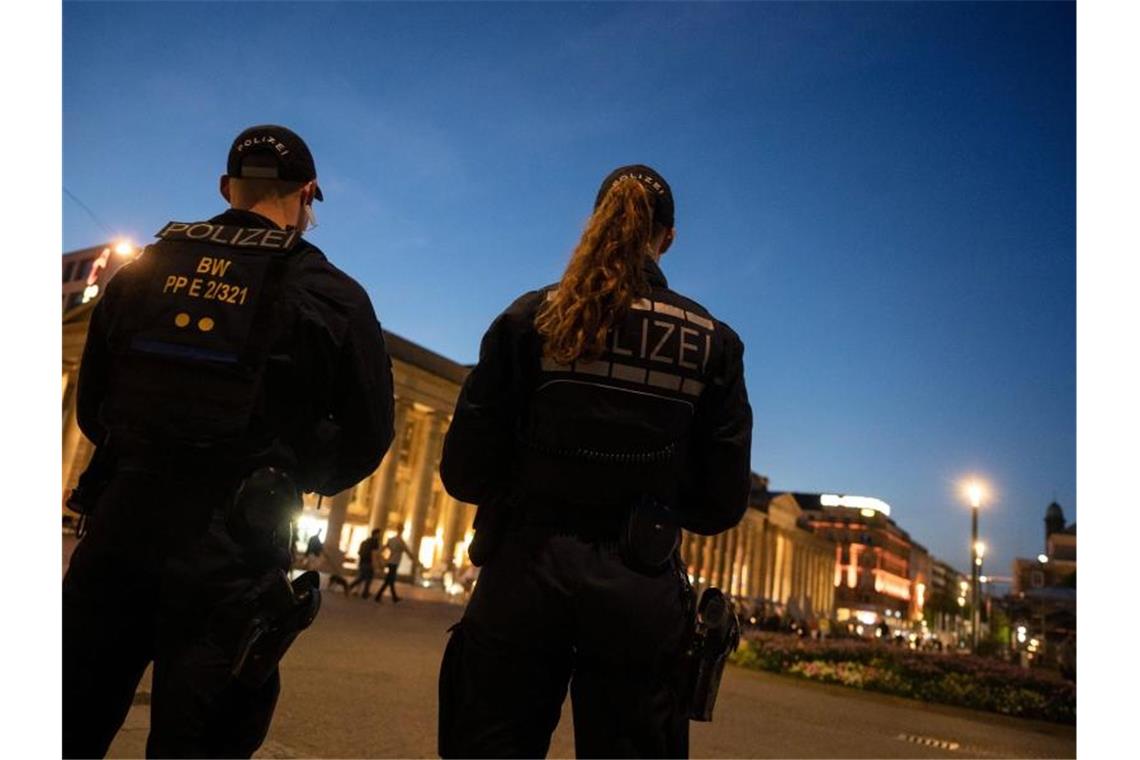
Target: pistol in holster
column 281, row 610
column 716, row 635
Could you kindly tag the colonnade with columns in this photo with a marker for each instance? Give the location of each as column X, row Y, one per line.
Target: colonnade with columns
column 766, row 561
column 404, row 495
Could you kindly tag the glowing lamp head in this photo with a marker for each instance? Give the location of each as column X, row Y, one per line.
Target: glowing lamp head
column 124, row 248
column 975, row 493
column 1042, row 558
column 979, row 549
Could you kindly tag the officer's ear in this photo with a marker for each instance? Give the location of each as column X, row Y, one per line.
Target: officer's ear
column 667, row 240
column 224, row 188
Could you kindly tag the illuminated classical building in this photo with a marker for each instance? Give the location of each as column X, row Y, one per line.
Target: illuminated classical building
column 768, row 561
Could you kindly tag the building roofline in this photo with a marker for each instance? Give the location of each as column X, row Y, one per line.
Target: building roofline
column 406, row 351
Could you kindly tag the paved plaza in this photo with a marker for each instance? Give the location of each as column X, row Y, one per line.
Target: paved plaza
column 362, row 683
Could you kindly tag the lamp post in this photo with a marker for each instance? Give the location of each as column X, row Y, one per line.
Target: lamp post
column 1042, row 560
column 979, row 554
column 974, row 491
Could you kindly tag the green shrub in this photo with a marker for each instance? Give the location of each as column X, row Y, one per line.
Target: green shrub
column 962, row 680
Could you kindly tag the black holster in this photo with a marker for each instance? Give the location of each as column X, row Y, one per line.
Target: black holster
column 715, row 638
column 281, row 610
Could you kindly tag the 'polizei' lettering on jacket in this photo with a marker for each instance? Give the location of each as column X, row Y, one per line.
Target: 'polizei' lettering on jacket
column 237, row 237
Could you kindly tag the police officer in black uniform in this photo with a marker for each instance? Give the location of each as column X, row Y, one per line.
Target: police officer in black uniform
column 606, row 412
column 226, row 370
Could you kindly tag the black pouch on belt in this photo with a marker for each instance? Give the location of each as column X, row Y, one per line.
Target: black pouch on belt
column 650, row 536
column 262, row 509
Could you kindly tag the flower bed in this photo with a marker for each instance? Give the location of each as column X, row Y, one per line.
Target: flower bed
column 961, row 680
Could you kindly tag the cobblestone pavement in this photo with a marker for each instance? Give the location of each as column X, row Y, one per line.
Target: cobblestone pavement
column 362, row 683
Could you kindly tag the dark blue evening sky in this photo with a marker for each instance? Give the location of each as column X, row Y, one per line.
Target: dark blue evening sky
column 880, row 198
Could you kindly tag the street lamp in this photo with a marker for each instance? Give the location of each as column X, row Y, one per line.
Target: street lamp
column 975, row 491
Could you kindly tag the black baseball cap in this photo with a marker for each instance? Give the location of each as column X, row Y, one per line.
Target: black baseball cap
column 660, row 195
column 269, row 151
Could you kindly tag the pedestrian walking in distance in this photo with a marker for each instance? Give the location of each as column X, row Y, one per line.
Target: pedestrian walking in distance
column 313, row 552
column 227, row 370
column 606, row 412
column 366, row 571
column 395, row 549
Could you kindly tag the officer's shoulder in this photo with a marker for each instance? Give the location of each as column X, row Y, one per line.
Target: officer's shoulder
column 523, row 308
column 319, row 276
column 693, row 307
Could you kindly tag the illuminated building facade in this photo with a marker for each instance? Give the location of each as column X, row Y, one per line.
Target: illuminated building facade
column 769, row 561
column 880, row 574
column 946, row 603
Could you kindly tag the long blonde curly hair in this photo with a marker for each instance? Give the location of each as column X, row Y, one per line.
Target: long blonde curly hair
column 603, row 278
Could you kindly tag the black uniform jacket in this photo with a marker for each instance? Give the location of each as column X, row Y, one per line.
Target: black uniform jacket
column 664, row 411
column 327, row 389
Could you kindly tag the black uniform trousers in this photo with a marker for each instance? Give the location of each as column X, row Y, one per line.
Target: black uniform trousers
column 555, row 610
column 156, row 579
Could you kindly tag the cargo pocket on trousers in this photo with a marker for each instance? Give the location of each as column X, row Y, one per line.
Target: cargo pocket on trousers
column 451, row 692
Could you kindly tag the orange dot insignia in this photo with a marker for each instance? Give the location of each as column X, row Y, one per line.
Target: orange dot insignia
column 205, row 324
column 182, row 319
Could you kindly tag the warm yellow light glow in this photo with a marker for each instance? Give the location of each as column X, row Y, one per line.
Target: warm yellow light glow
column 974, row 491
column 1042, row 558
column 427, row 552
column 961, row 601
column 980, row 549
column 124, row 248
column 964, row 585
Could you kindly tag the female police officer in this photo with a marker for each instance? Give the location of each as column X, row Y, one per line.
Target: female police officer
column 605, row 411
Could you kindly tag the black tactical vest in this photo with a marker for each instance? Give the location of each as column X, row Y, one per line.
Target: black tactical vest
column 609, row 431
column 192, row 335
